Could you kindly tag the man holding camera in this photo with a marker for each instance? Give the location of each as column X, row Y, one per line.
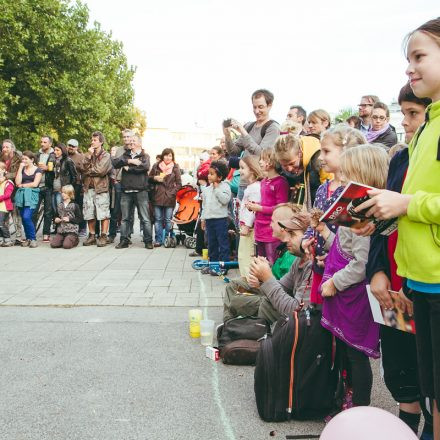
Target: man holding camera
column 97, row 166
column 255, row 136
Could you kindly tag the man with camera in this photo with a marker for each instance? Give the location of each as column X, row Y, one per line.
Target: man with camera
column 97, row 166
column 254, row 136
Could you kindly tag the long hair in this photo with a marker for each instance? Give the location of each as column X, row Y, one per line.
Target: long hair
column 367, row 164
column 253, row 165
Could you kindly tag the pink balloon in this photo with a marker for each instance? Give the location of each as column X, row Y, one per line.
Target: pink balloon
column 366, row 423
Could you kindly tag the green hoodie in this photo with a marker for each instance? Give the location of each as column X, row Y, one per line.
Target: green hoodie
column 418, row 246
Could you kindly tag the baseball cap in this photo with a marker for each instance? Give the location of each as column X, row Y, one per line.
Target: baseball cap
column 72, row 143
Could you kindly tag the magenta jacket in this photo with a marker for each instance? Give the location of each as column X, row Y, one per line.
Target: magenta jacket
column 273, row 192
column 7, row 195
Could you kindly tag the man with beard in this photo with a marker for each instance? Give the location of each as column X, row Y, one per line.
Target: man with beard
column 365, row 111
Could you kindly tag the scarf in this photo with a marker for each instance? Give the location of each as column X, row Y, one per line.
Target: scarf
column 373, row 135
column 167, row 169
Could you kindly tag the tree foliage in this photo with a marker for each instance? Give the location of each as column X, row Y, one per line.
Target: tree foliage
column 59, row 75
column 345, row 113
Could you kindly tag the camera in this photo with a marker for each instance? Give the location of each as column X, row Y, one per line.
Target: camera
column 227, row 123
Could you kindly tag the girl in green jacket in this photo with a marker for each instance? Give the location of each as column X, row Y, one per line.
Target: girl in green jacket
column 418, row 209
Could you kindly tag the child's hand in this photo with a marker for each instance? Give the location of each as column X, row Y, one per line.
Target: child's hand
column 307, row 245
column 244, row 230
column 328, row 288
column 65, row 219
column 203, row 225
column 57, row 220
column 253, row 281
column 255, row 207
column 320, row 260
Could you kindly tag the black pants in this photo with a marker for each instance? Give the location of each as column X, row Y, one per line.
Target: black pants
column 79, row 199
column 200, row 238
column 359, row 374
column 427, row 319
column 4, row 225
column 45, row 198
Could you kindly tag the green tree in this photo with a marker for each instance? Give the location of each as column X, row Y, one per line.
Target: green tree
column 345, row 113
column 59, row 75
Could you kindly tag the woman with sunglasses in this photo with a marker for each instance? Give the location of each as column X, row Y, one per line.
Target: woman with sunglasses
column 381, row 132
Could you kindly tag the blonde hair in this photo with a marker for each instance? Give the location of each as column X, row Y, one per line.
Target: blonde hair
column 69, row 191
column 367, row 164
column 396, row 148
column 291, row 127
column 253, row 165
column 285, row 145
column 320, row 114
column 268, row 154
column 344, row 136
column 2, row 165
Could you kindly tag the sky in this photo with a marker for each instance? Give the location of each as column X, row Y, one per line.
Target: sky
column 198, row 61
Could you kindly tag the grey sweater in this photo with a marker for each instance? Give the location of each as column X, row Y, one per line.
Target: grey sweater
column 215, row 201
column 356, row 246
column 253, row 143
column 286, row 294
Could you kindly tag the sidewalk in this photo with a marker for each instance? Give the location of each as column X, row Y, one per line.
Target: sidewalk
column 105, row 277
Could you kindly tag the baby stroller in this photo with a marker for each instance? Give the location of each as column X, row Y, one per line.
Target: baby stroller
column 187, row 216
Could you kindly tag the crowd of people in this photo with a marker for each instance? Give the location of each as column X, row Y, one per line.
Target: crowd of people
column 260, row 191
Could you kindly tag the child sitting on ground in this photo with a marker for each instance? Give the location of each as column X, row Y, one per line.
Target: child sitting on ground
column 68, row 221
column 215, row 199
column 6, row 206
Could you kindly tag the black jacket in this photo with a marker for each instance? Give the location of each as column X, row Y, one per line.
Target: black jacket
column 389, row 138
column 66, row 172
column 378, row 255
column 136, row 177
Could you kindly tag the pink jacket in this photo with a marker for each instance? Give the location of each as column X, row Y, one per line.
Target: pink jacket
column 6, row 190
column 273, row 192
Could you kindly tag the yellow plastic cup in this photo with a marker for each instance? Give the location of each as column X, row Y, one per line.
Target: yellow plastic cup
column 204, row 254
column 194, row 329
column 195, row 316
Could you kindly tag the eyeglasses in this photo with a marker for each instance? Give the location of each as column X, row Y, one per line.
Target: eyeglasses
column 378, row 118
column 365, row 105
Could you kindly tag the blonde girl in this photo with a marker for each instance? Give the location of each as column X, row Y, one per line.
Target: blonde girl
column 251, row 172
column 346, row 311
column 333, row 143
column 274, row 190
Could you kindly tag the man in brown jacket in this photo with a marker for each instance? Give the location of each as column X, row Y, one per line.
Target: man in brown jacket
column 97, row 166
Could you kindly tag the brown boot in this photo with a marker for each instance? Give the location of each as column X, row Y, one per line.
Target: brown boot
column 91, row 240
column 102, row 240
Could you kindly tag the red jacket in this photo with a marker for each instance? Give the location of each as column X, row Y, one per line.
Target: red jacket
column 7, row 195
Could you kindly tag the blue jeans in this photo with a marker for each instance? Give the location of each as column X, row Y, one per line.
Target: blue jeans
column 128, row 201
column 162, row 213
column 56, row 200
column 28, row 225
column 218, row 239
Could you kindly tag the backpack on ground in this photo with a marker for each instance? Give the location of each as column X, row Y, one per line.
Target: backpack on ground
column 239, row 339
column 295, row 376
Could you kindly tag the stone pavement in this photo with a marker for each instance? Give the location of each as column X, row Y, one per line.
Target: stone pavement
column 104, row 277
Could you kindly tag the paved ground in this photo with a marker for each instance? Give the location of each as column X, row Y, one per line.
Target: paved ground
column 91, row 371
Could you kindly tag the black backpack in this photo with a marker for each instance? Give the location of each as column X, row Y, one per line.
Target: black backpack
column 239, row 339
column 295, row 376
column 249, row 126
